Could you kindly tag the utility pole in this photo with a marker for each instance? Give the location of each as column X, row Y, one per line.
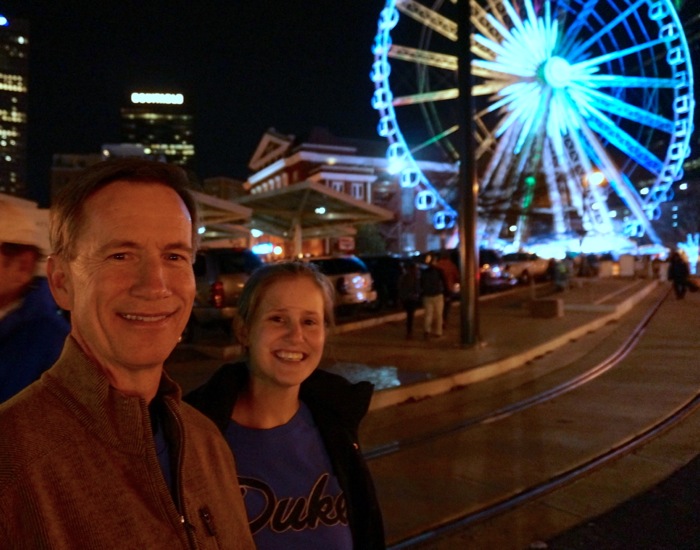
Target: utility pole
column 468, row 185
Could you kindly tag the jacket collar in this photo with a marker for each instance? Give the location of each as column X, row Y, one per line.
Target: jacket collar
column 323, row 392
column 119, row 420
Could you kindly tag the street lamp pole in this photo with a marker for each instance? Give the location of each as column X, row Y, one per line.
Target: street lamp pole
column 468, row 185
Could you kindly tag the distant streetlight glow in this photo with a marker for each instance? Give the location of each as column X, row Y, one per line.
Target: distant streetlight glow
column 263, row 249
column 596, row 178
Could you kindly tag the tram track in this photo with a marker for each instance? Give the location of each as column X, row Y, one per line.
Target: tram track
column 552, row 484
column 500, row 413
column 517, row 498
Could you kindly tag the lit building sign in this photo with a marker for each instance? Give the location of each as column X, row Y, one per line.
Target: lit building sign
column 160, row 98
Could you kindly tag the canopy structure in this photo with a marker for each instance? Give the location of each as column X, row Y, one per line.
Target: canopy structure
column 221, row 218
column 308, row 210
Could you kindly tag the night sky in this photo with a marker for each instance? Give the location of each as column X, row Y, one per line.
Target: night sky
column 243, row 65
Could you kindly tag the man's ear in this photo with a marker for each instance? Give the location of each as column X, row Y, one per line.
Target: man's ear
column 60, row 282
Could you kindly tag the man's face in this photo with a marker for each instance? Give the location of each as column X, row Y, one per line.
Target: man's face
column 130, row 287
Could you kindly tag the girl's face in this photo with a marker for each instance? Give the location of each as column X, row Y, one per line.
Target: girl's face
column 286, row 337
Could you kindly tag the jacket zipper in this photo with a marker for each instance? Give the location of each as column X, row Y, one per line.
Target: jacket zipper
column 186, row 525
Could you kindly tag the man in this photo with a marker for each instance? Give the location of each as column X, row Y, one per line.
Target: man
column 32, row 329
column 100, row 452
column 432, row 292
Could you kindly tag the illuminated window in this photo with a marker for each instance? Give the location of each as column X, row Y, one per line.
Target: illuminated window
column 358, row 190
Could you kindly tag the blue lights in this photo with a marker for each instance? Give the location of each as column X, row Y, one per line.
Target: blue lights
column 3, row 21
column 563, row 89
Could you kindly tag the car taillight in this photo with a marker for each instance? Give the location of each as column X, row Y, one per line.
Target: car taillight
column 341, row 286
column 217, row 294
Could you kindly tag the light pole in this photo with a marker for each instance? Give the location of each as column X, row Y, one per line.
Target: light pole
column 468, row 186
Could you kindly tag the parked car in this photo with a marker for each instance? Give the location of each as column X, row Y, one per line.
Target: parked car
column 351, row 280
column 386, row 271
column 525, row 266
column 492, row 275
column 220, row 274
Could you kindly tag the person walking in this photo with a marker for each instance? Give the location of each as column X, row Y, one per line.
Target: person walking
column 292, row 427
column 32, row 327
column 450, row 277
column 678, row 274
column 410, row 293
column 100, row 452
column 432, row 292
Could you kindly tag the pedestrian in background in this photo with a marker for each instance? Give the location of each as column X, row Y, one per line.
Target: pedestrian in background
column 450, row 277
column 410, row 293
column 433, row 295
column 293, row 428
column 678, row 274
column 32, row 327
column 100, row 452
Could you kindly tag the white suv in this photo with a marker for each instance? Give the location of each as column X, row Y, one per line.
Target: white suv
column 351, row 280
column 525, row 266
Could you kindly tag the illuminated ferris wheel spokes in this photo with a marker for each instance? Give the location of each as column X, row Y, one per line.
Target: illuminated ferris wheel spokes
column 559, row 97
column 545, row 92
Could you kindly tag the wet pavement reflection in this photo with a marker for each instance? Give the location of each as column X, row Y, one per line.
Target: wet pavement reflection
column 383, row 377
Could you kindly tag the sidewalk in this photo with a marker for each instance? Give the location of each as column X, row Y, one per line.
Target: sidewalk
column 510, row 336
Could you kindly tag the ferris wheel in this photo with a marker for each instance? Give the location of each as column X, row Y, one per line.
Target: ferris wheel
column 583, row 110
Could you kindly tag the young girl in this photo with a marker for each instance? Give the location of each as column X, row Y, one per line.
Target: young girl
column 293, row 428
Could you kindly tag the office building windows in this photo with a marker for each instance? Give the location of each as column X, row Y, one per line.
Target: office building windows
column 161, row 123
column 14, row 71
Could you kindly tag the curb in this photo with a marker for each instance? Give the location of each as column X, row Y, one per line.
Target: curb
column 421, row 390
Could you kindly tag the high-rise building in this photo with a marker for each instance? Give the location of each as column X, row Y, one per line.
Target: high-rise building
column 14, row 71
column 162, row 124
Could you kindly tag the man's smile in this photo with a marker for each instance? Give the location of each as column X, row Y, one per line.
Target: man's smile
column 145, row 318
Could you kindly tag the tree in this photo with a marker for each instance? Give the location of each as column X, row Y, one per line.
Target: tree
column 369, row 240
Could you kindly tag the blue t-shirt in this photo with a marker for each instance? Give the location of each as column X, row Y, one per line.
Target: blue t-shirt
column 162, row 448
column 291, row 494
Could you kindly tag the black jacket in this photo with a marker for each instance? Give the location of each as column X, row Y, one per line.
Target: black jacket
column 432, row 282
column 337, row 407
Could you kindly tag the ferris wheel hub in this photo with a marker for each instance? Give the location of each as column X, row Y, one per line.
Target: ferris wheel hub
column 556, row 72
